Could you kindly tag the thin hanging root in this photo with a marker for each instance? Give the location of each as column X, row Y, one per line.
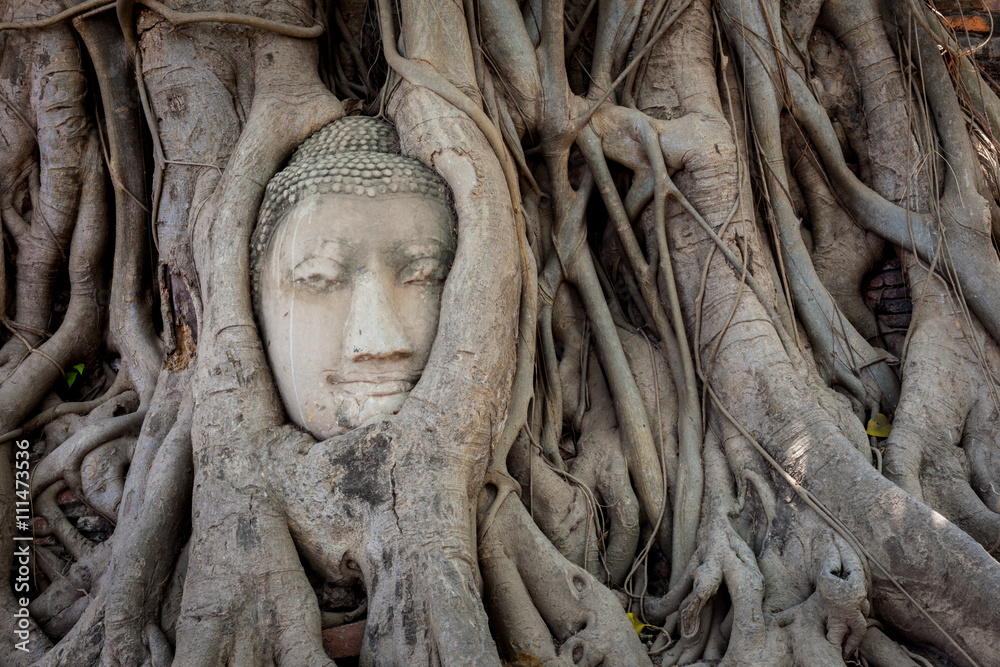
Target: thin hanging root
column 690, row 476
column 359, row 62
column 553, row 410
column 574, row 38
column 978, row 90
column 637, row 438
column 29, row 349
column 979, row 270
column 582, row 397
column 76, row 10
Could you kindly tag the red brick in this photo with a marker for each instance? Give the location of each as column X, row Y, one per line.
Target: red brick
column 901, row 321
column 892, row 278
column 894, row 293
column 345, row 641
column 895, row 306
column 66, row 497
column 977, row 24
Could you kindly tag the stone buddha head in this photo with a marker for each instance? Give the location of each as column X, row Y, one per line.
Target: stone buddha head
column 348, row 260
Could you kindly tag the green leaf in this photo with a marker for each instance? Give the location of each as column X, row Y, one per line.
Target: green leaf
column 73, row 374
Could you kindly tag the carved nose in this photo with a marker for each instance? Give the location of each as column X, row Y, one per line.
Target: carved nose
column 373, row 329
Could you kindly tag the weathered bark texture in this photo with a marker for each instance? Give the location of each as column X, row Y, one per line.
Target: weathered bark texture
column 715, row 379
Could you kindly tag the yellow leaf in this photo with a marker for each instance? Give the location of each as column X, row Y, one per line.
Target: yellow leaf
column 879, row 426
column 638, row 625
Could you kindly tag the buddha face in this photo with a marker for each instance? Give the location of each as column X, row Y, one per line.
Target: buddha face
column 350, row 290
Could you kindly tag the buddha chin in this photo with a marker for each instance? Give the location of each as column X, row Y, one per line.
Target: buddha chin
column 354, row 403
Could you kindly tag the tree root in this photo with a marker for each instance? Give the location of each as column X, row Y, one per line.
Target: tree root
column 102, row 476
column 152, row 520
column 948, row 375
column 881, row 651
column 130, row 313
column 119, row 385
column 744, row 485
column 563, row 508
column 534, row 590
column 830, row 623
column 848, row 358
column 70, row 583
column 75, row 543
column 70, row 454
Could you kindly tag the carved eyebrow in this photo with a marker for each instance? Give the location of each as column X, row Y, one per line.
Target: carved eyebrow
column 333, row 247
column 424, row 246
column 336, row 250
column 423, row 249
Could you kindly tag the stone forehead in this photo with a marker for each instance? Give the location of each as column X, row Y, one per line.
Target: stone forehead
column 326, row 164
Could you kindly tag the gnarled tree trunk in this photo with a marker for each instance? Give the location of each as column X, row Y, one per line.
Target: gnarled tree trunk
column 715, row 378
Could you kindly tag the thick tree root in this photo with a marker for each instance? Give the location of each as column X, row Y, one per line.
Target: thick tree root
column 779, row 541
column 945, row 432
column 534, row 590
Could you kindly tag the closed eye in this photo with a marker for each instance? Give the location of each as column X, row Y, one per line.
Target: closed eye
column 423, row 271
column 319, row 274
